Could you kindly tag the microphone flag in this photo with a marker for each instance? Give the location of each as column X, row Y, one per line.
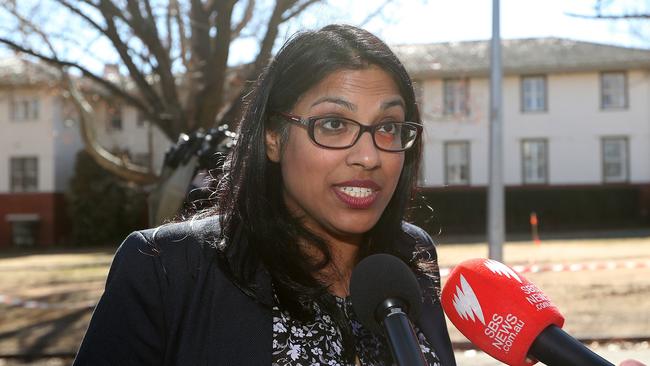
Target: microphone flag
column 497, row 309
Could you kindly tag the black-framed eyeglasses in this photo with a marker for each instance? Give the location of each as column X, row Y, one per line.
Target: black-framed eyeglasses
column 341, row 133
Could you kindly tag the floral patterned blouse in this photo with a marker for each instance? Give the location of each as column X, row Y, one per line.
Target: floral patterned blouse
column 319, row 342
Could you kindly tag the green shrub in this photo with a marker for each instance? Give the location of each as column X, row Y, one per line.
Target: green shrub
column 103, row 208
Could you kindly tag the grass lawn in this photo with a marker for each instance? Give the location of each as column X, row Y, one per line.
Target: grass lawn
column 597, row 304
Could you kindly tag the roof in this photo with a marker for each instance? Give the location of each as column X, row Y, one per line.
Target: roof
column 534, row 55
column 16, row 71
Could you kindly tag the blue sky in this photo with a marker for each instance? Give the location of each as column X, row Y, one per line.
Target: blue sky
column 426, row 21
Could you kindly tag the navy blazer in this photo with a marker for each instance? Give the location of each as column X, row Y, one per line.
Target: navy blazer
column 168, row 301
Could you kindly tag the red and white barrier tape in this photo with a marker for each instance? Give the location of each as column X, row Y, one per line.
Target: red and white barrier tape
column 444, row 272
column 573, row 267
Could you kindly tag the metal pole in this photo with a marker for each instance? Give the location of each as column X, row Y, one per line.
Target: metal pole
column 495, row 219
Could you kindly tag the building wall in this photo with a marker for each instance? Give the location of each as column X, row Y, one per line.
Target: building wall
column 67, row 143
column 48, row 209
column 28, row 138
column 573, row 125
column 54, row 138
column 137, row 139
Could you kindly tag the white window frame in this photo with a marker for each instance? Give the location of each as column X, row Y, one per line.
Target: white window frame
column 455, row 97
column 610, row 162
column 457, row 172
column 114, row 113
column 534, row 93
column 613, row 96
column 23, row 178
column 534, row 161
column 24, row 109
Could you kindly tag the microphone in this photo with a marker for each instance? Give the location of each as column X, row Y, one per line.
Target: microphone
column 510, row 318
column 384, row 294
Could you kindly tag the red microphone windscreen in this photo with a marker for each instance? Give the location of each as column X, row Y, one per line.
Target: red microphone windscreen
column 497, row 309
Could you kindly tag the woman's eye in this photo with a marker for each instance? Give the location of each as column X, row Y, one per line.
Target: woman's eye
column 332, row 124
column 389, row 128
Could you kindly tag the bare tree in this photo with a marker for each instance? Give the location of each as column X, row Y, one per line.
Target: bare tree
column 610, row 10
column 632, row 15
column 174, row 54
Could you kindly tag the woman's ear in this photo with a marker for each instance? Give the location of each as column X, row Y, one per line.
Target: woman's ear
column 273, row 145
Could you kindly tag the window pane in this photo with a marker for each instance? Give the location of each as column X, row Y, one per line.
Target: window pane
column 455, row 97
column 535, row 166
column 24, row 109
column 457, row 162
column 615, row 159
column 613, row 93
column 24, row 174
column 533, row 93
column 114, row 118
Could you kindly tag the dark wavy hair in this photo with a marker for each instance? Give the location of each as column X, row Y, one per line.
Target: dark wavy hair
column 249, row 196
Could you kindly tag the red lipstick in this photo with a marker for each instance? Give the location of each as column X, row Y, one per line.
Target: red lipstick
column 363, row 199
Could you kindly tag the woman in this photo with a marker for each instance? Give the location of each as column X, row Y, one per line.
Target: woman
column 263, row 277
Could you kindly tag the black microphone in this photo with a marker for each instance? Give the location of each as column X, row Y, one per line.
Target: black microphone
column 553, row 346
column 384, row 294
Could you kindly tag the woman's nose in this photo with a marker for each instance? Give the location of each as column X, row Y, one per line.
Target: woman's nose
column 364, row 153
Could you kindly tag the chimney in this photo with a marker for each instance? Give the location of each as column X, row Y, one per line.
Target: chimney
column 111, row 72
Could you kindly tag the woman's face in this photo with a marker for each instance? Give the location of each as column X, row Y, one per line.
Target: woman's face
column 341, row 193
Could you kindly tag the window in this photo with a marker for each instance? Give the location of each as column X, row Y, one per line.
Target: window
column 141, row 119
column 142, row 159
column 418, row 88
column 457, row 163
column 114, row 118
column 24, row 229
column 615, row 161
column 455, row 97
column 24, row 109
column 534, row 161
column 613, row 90
column 24, row 174
column 533, row 93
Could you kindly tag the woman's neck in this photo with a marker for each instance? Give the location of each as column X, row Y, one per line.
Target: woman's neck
column 338, row 272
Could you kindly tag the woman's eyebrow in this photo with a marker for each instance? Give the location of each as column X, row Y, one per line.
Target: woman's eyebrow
column 335, row 100
column 392, row 103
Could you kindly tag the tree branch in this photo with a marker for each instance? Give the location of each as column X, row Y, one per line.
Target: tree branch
column 79, row 13
column 248, row 15
column 611, row 16
column 87, row 73
column 136, row 75
column 182, row 37
column 299, row 9
column 172, row 111
column 103, row 157
column 209, row 100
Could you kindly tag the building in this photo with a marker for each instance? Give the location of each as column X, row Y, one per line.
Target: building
column 576, row 124
column 576, row 138
column 38, row 145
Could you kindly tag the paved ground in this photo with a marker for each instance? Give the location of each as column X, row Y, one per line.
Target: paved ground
column 46, row 299
column 613, row 352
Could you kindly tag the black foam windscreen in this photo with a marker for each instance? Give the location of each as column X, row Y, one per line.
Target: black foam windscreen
column 379, row 277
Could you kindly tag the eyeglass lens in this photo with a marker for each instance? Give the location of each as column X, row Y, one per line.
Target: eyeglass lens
column 339, row 133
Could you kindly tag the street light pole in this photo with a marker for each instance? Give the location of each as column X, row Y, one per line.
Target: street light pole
column 495, row 219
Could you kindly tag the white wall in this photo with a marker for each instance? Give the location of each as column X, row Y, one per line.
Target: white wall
column 67, row 143
column 573, row 125
column 28, row 138
column 137, row 139
column 54, row 138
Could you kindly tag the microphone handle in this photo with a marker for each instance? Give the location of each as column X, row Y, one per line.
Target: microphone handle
column 555, row 347
column 403, row 341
